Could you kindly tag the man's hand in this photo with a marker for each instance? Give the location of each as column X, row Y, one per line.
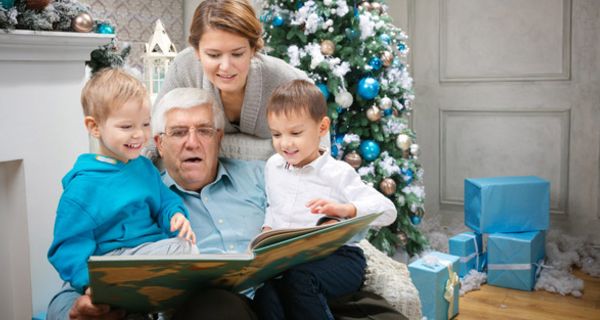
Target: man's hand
column 331, row 208
column 179, row 222
column 265, row 229
column 83, row 309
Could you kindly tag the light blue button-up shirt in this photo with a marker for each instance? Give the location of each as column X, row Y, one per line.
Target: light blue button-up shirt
column 227, row 213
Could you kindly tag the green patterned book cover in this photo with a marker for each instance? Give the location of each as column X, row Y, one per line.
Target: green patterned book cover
column 161, row 283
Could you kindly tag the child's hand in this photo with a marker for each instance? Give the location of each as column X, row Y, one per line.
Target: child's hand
column 331, row 208
column 179, row 222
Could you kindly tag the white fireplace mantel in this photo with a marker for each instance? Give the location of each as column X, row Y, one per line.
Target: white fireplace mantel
column 41, row 134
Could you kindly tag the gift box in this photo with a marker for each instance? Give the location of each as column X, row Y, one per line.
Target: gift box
column 468, row 247
column 514, row 259
column 507, row 204
column 434, row 275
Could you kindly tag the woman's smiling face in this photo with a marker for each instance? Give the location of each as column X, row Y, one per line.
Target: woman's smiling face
column 225, row 59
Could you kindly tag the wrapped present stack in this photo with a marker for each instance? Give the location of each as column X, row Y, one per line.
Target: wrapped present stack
column 514, row 213
column 434, row 275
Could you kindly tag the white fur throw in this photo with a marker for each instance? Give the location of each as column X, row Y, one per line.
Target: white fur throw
column 391, row 280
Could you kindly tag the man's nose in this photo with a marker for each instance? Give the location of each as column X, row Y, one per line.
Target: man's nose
column 192, row 141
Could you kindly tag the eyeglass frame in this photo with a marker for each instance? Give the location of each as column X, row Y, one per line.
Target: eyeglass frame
column 197, row 130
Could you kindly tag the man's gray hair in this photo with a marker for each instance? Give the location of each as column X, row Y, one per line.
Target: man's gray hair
column 185, row 98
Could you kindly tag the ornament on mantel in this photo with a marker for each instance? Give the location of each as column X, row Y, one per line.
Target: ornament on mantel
column 353, row 159
column 387, row 186
column 327, row 47
column 37, row 4
column 373, row 114
column 105, row 28
column 83, row 22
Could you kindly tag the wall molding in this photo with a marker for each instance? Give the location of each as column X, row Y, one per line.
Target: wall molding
column 563, row 114
column 565, row 73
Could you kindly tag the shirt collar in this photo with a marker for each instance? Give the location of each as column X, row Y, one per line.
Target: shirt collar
column 222, row 173
column 318, row 163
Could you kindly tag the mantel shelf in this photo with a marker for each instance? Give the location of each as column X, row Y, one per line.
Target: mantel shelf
column 28, row 45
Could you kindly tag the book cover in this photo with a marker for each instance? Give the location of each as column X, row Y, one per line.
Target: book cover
column 159, row 283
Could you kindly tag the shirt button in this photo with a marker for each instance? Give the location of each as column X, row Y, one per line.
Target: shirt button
column 205, row 199
column 231, row 247
column 221, row 221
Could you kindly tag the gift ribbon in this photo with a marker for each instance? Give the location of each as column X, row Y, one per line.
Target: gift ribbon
column 474, row 238
column 451, row 284
column 519, row 266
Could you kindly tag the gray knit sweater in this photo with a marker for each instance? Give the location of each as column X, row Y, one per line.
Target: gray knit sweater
column 265, row 74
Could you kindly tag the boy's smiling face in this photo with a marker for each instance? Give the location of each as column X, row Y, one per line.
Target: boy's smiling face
column 125, row 131
column 296, row 136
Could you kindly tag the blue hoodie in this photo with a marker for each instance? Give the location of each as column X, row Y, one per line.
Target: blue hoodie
column 107, row 204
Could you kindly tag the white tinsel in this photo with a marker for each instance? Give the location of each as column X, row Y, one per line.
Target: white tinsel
column 472, row 281
column 307, row 16
column 418, row 191
column 351, row 137
column 314, row 50
column 393, row 126
column 365, row 171
column 328, row 2
column 293, row 53
column 388, row 165
column 342, row 8
column 367, row 27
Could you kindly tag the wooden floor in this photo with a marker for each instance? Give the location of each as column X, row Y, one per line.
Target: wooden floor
column 499, row 303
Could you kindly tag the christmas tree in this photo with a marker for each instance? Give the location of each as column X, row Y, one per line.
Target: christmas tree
column 357, row 57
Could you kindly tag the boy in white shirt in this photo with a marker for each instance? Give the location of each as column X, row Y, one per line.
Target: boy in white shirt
column 304, row 184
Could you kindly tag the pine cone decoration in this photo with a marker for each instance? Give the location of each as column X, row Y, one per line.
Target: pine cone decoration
column 37, row 4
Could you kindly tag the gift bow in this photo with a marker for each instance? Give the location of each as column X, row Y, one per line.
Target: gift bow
column 449, row 289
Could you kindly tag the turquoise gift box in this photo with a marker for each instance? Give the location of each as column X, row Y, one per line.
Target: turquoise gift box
column 514, row 259
column 468, row 247
column 507, row 204
column 434, row 275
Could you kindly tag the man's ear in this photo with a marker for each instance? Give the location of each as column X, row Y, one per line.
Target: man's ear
column 92, row 126
column 158, row 144
column 324, row 126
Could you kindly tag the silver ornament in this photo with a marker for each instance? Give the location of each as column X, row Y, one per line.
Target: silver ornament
column 344, row 99
column 414, row 149
column 385, row 103
column 403, row 142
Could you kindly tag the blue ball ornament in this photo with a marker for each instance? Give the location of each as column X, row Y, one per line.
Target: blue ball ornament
column 277, row 21
column 375, row 63
column 368, row 88
column 401, row 46
column 299, row 4
column 407, row 174
column 369, row 150
column 351, row 33
column 324, row 90
column 415, row 219
column 388, row 112
column 334, row 151
column 385, row 38
column 105, row 28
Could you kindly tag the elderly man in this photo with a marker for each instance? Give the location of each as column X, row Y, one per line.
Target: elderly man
column 225, row 198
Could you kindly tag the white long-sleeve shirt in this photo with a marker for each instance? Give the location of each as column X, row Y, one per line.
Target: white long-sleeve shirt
column 289, row 189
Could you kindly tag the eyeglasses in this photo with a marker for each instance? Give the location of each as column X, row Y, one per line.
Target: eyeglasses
column 181, row 133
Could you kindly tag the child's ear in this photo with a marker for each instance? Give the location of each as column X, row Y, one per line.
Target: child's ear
column 92, row 126
column 324, row 126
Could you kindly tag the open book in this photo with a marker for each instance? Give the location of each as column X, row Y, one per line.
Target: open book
column 158, row 283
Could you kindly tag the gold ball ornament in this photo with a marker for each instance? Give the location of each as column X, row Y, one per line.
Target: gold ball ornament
column 327, row 47
column 387, row 58
column 37, row 4
column 376, row 6
column 373, row 114
column 387, row 186
column 403, row 142
column 353, row 159
column 83, row 22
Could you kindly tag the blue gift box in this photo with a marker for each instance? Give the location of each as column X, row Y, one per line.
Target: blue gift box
column 434, row 275
column 468, row 247
column 507, row 204
column 513, row 259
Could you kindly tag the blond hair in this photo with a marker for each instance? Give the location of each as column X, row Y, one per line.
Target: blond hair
column 234, row 16
column 108, row 90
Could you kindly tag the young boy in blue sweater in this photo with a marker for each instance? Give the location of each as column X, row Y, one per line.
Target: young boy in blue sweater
column 114, row 202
